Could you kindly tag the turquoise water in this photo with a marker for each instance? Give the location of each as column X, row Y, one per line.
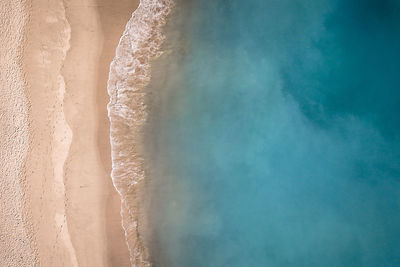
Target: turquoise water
column 274, row 137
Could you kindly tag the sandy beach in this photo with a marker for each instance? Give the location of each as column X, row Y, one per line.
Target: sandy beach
column 16, row 248
column 65, row 210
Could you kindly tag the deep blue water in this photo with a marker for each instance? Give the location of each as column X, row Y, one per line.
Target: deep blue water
column 275, row 140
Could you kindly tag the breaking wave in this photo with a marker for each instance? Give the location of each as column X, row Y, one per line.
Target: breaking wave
column 129, row 75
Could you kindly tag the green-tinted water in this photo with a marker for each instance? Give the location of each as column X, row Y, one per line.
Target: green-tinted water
column 274, row 140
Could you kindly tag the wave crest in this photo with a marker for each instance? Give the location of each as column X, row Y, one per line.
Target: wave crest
column 129, row 75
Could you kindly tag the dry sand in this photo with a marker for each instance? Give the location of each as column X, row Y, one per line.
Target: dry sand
column 60, row 208
column 15, row 245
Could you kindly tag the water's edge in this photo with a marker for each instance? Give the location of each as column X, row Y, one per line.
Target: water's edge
column 129, row 75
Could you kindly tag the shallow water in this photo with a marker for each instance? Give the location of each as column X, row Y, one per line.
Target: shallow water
column 273, row 138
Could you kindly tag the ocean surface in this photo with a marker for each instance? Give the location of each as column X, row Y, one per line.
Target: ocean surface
column 272, row 135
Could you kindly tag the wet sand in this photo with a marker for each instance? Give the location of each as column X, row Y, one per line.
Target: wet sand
column 68, row 206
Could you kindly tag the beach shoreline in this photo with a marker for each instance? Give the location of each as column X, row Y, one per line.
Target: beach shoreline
column 129, row 76
column 69, row 197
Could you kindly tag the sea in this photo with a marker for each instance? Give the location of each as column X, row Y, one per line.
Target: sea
column 270, row 134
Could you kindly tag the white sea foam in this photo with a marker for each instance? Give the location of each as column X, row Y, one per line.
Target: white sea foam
column 129, row 75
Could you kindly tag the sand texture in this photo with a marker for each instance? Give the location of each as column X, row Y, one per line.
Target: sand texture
column 58, row 203
column 15, row 245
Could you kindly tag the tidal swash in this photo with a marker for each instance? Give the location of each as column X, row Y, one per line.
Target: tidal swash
column 271, row 134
